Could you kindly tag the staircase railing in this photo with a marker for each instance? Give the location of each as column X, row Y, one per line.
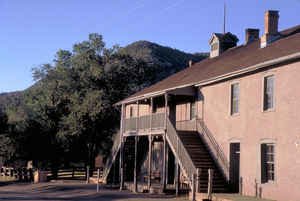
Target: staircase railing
column 180, row 152
column 112, row 157
column 213, row 147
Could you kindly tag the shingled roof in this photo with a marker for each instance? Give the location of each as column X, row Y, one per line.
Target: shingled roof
column 233, row 60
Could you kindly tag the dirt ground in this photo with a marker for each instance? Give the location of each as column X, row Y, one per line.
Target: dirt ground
column 62, row 191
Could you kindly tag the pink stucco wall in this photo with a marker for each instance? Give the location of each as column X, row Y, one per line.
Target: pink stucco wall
column 252, row 126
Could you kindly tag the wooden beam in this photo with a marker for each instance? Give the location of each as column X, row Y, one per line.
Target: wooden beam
column 137, row 117
column 165, row 144
column 121, row 164
column 135, row 164
column 186, row 91
column 164, row 163
column 177, row 177
column 150, row 162
column 121, row 172
column 151, row 112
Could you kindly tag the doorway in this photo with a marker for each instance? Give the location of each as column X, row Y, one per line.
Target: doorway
column 234, row 166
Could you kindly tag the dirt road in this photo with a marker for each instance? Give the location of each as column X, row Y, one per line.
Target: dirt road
column 58, row 191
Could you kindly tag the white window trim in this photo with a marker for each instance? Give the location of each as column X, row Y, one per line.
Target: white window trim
column 267, row 74
column 230, row 96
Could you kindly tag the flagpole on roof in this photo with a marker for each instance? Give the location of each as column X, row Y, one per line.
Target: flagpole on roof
column 224, row 23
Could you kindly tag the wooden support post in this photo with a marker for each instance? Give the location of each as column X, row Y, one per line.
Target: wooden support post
column 121, row 168
column 198, row 187
column 193, row 187
column 121, row 164
column 177, row 177
column 164, row 163
column 150, row 162
column 135, row 164
column 98, row 177
column 137, row 117
column 210, row 183
column 165, row 144
column 166, row 110
column 151, row 112
column 114, row 176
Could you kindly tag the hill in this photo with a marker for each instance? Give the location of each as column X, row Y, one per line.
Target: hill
column 166, row 59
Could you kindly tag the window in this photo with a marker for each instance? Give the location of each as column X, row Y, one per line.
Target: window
column 267, row 163
column 131, row 112
column 269, row 92
column 235, row 99
column 193, row 110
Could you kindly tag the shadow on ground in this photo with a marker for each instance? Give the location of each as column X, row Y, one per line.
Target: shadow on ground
column 72, row 191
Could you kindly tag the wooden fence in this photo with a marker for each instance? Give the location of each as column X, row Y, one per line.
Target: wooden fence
column 27, row 175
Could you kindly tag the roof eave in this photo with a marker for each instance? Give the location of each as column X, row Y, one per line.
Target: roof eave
column 216, row 79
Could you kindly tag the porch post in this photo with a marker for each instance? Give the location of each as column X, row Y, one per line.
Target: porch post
column 137, row 117
column 121, row 165
column 121, row 149
column 150, row 162
column 151, row 112
column 166, row 110
column 165, row 144
column 135, row 164
column 177, row 177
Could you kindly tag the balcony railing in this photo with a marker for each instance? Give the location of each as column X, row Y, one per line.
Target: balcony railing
column 154, row 121
column 186, row 125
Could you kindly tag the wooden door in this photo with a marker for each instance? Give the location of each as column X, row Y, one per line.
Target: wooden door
column 235, row 166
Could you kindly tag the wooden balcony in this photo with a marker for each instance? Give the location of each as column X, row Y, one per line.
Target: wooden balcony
column 145, row 125
column 187, row 125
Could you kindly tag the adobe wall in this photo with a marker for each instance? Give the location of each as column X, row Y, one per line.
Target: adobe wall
column 252, row 126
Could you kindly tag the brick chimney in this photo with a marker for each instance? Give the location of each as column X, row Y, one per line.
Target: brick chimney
column 271, row 27
column 251, row 34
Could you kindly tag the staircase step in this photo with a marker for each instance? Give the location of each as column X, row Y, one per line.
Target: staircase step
column 202, row 159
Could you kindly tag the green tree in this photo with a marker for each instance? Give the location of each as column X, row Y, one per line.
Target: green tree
column 75, row 97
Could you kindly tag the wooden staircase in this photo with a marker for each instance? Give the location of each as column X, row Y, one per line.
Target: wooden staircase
column 202, row 159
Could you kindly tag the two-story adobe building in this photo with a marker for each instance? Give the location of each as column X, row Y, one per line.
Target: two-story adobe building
column 236, row 113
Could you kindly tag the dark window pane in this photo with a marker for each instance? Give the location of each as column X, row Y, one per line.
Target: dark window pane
column 268, row 92
column 234, row 98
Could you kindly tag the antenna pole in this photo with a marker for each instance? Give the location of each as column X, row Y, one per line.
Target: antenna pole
column 224, row 18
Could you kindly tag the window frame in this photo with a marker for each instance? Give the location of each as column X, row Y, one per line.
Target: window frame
column 264, row 90
column 267, row 180
column 231, row 112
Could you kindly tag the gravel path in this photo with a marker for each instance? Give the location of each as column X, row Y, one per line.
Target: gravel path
column 59, row 191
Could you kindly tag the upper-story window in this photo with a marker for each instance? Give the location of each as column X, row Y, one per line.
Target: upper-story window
column 193, row 110
column 131, row 112
column 269, row 92
column 267, row 162
column 235, row 98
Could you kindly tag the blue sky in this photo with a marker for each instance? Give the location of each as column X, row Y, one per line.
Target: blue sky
column 33, row 30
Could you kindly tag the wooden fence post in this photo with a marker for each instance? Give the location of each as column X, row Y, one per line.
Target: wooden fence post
column 98, row 177
column 87, row 174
